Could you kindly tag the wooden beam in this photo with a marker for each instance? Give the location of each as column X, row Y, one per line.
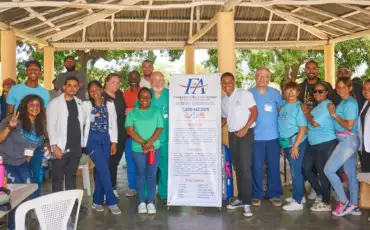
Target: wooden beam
column 146, row 21
column 312, row 30
column 350, row 36
column 268, row 27
column 358, row 9
column 180, row 45
column 111, row 28
column 42, row 18
column 84, row 34
column 191, row 22
column 198, row 18
column 265, row 22
column 24, row 35
column 89, row 20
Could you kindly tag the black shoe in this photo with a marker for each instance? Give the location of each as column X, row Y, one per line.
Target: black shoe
column 164, row 201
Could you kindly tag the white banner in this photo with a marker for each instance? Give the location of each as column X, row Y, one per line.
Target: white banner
column 194, row 166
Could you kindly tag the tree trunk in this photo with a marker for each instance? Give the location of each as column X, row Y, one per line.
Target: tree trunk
column 290, row 74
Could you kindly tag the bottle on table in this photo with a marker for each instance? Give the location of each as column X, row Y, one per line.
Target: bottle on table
column 2, row 173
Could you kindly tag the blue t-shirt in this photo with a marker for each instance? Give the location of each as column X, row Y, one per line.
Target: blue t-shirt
column 291, row 117
column 347, row 110
column 18, row 92
column 267, row 120
column 326, row 130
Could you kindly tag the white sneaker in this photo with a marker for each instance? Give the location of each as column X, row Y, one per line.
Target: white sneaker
column 151, row 209
column 312, row 195
column 247, row 211
column 142, row 208
column 235, row 204
column 116, row 193
column 290, row 200
column 293, row 206
column 114, row 209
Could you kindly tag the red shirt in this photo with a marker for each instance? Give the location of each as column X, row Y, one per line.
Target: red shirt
column 131, row 97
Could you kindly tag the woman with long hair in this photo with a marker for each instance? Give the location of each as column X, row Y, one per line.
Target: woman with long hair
column 100, row 140
column 20, row 135
column 112, row 92
column 322, row 140
column 293, row 139
column 346, row 127
column 144, row 125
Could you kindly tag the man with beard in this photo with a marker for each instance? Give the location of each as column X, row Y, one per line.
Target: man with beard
column 147, row 68
column 160, row 100
column 70, row 65
column 130, row 96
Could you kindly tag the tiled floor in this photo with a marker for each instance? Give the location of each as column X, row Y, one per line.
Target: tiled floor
column 183, row 218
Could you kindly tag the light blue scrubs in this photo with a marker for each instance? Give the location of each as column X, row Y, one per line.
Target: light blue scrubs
column 291, row 117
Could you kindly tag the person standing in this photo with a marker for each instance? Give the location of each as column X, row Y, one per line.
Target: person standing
column 322, row 140
column 113, row 93
column 266, row 147
column 65, row 121
column 100, row 140
column 239, row 112
column 7, row 85
column 16, row 94
column 130, row 96
column 160, row 101
column 70, row 65
column 144, row 124
column 346, row 119
column 293, row 140
column 364, row 129
column 147, row 68
column 55, row 92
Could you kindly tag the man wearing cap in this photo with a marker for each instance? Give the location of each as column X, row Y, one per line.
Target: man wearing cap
column 70, row 65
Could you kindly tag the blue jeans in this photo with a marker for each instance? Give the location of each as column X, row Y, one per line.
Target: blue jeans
column 268, row 151
column 296, row 170
column 345, row 154
column 131, row 171
column 146, row 173
column 99, row 147
column 37, row 170
column 17, row 174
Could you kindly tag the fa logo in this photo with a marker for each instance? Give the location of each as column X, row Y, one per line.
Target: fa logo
column 193, row 85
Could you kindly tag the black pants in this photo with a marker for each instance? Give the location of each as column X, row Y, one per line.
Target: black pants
column 115, row 159
column 241, row 156
column 64, row 172
column 365, row 161
column 318, row 155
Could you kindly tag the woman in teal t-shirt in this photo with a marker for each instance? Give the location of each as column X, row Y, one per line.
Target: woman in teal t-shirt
column 144, row 125
column 292, row 136
column 346, row 127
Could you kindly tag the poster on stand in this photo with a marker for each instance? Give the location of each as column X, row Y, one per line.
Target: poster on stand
column 194, row 165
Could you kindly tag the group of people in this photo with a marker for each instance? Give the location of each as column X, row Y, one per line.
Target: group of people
column 321, row 131
column 77, row 118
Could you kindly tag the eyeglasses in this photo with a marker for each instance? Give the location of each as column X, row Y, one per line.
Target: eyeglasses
column 8, row 83
column 33, row 105
column 319, row 91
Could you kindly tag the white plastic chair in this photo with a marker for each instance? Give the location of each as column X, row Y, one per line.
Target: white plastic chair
column 86, row 178
column 53, row 211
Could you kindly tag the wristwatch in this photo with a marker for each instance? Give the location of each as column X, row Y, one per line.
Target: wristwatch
column 334, row 115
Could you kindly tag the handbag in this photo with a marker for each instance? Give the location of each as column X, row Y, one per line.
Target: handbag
column 286, row 142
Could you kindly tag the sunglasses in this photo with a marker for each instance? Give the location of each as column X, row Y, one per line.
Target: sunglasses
column 33, row 105
column 319, row 91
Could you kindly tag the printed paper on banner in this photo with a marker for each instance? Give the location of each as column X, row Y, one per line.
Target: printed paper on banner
column 194, row 172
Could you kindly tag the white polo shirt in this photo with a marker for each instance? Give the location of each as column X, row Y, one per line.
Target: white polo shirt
column 236, row 109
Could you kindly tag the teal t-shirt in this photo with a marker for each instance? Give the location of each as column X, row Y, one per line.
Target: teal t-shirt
column 347, row 110
column 162, row 104
column 326, row 130
column 145, row 122
column 291, row 117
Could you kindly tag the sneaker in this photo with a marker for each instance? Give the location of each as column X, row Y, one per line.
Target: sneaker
column 356, row 211
column 98, row 207
column 116, row 193
column 321, row 207
column 312, row 195
column 293, row 206
column 247, row 211
column 130, row 193
column 290, row 199
column 256, row 202
column 318, row 199
column 343, row 209
column 142, row 208
column 276, row 202
column 115, row 209
column 151, row 209
column 235, row 204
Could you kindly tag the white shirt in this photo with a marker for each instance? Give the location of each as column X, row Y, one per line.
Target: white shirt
column 236, row 109
column 145, row 83
column 366, row 133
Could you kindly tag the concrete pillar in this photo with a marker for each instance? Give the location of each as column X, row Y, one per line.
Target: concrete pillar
column 189, row 59
column 226, row 58
column 329, row 63
column 48, row 67
column 8, row 55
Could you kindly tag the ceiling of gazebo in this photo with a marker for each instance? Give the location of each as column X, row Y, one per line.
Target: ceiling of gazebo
column 157, row 24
